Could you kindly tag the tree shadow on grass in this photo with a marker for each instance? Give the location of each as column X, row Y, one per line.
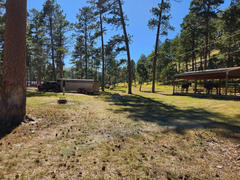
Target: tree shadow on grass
column 4, row 131
column 149, row 91
column 6, row 128
column 146, row 109
column 208, row 96
column 40, row 94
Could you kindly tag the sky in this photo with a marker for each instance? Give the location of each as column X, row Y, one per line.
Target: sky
column 138, row 12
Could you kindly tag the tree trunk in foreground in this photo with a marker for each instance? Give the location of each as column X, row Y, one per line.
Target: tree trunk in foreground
column 13, row 85
column 156, row 49
column 127, row 48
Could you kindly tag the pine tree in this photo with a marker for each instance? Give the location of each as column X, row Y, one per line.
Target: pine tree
column 101, row 7
column 62, row 27
column 142, row 71
column 118, row 19
column 78, row 58
column 36, row 47
column 161, row 21
column 205, row 10
column 50, row 8
column 86, row 36
column 229, row 25
column 190, row 32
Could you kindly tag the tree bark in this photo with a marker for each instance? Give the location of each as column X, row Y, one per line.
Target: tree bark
column 52, row 50
column 186, row 66
column 39, row 76
column 40, row 63
column 60, row 55
column 103, row 53
column 206, row 39
column 86, row 53
column 127, row 48
column 193, row 52
column 156, row 48
column 13, row 86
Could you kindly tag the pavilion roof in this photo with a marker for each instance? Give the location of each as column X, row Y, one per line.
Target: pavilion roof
column 233, row 73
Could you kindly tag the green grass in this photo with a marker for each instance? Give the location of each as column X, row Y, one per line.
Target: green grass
column 140, row 136
column 181, row 112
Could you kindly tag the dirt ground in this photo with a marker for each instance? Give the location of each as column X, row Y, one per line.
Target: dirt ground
column 133, row 137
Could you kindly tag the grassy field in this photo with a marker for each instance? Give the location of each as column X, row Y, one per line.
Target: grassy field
column 139, row 136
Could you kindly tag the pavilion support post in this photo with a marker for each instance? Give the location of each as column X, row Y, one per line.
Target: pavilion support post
column 174, row 87
column 219, row 87
column 235, row 90
column 195, row 87
column 226, row 86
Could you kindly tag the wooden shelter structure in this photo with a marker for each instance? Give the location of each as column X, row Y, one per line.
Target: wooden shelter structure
column 211, row 74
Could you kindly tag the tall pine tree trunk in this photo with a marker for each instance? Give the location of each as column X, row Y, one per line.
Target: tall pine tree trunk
column 206, row 39
column 13, row 86
column 60, row 56
column 201, row 62
column 206, row 48
column 39, row 74
column 52, row 50
column 127, row 48
column 156, row 49
column 103, row 53
column 186, row 66
column 193, row 52
column 86, row 53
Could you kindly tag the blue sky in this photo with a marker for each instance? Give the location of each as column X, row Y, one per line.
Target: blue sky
column 138, row 12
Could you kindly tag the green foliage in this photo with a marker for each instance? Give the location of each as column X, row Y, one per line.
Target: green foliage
column 142, row 71
column 206, row 34
column 204, row 26
column 166, row 64
column 160, row 21
column 189, row 39
column 56, row 27
column 36, row 50
column 205, row 8
column 46, row 42
column 228, row 26
column 85, row 30
column 163, row 12
column 168, row 73
column 205, row 12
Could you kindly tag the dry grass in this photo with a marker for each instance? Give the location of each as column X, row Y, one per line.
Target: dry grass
column 142, row 136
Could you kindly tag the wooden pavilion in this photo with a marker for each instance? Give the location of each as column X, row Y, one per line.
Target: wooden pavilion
column 222, row 74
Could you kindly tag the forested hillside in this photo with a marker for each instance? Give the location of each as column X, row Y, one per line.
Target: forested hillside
column 209, row 39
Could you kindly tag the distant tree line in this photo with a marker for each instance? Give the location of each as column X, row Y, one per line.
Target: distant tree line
column 48, row 41
column 88, row 57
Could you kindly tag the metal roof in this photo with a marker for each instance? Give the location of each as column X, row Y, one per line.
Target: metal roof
column 83, row 80
column 233, row 73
